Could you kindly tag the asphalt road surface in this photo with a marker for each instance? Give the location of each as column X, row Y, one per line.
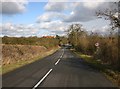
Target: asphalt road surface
column 61, row 69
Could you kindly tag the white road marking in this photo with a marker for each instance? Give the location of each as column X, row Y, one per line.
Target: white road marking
column 47, row 73
column 42, row 79
column 57, row 62
column 62, row 54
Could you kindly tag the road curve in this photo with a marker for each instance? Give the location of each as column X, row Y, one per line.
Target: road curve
column 61, row 69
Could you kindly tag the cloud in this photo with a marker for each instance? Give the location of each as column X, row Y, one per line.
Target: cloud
column 85, row 11
column 53, row 25
column 59, row 15
column 26, row 30
column 10, row 29
column 55, row 6
column 76, row 11
column 49, row 16
column 105, row 30
column 11, row 7
column 92, row 5
column 54, row 20
column 59, row 0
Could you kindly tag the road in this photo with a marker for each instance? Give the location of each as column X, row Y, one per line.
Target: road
column 61, row 69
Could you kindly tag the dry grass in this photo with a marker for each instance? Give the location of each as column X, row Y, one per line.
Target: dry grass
column 15, row 53
column 15, row 56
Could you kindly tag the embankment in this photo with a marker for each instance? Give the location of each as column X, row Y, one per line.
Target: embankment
column 14, row 56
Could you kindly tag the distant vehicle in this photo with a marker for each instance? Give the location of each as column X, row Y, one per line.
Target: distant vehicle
column 68, row 46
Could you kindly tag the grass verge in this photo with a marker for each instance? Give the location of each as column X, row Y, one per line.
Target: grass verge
column 109, row 72
column 10, row 67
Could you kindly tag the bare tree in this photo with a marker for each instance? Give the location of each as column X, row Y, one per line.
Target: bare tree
column 111, row 14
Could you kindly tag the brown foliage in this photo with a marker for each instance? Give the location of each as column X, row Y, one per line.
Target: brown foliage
column 107, row 51
column 16, row 53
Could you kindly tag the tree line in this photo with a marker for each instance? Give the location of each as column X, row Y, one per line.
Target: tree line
column 106, row 51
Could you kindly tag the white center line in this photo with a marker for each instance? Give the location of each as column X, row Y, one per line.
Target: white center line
column 62, row 54
column 42, row 79
column 57, row 62
column 47, row 73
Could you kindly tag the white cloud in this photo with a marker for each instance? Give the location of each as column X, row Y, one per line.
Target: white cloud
column 58, row 20
column 59, row 0
column 18, row 30
column 92, row 5
column 53, row 25
column 8, row 26
column 48, row 16
column 55, row 19
column 10, row 29
column 105, row 30
column 80, row 11
column 55, row 6
column 85, row 11
column 10, row 7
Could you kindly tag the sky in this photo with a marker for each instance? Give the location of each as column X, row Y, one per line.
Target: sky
column 38, row 18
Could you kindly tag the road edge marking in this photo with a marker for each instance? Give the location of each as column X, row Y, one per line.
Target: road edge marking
column 43, row 78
